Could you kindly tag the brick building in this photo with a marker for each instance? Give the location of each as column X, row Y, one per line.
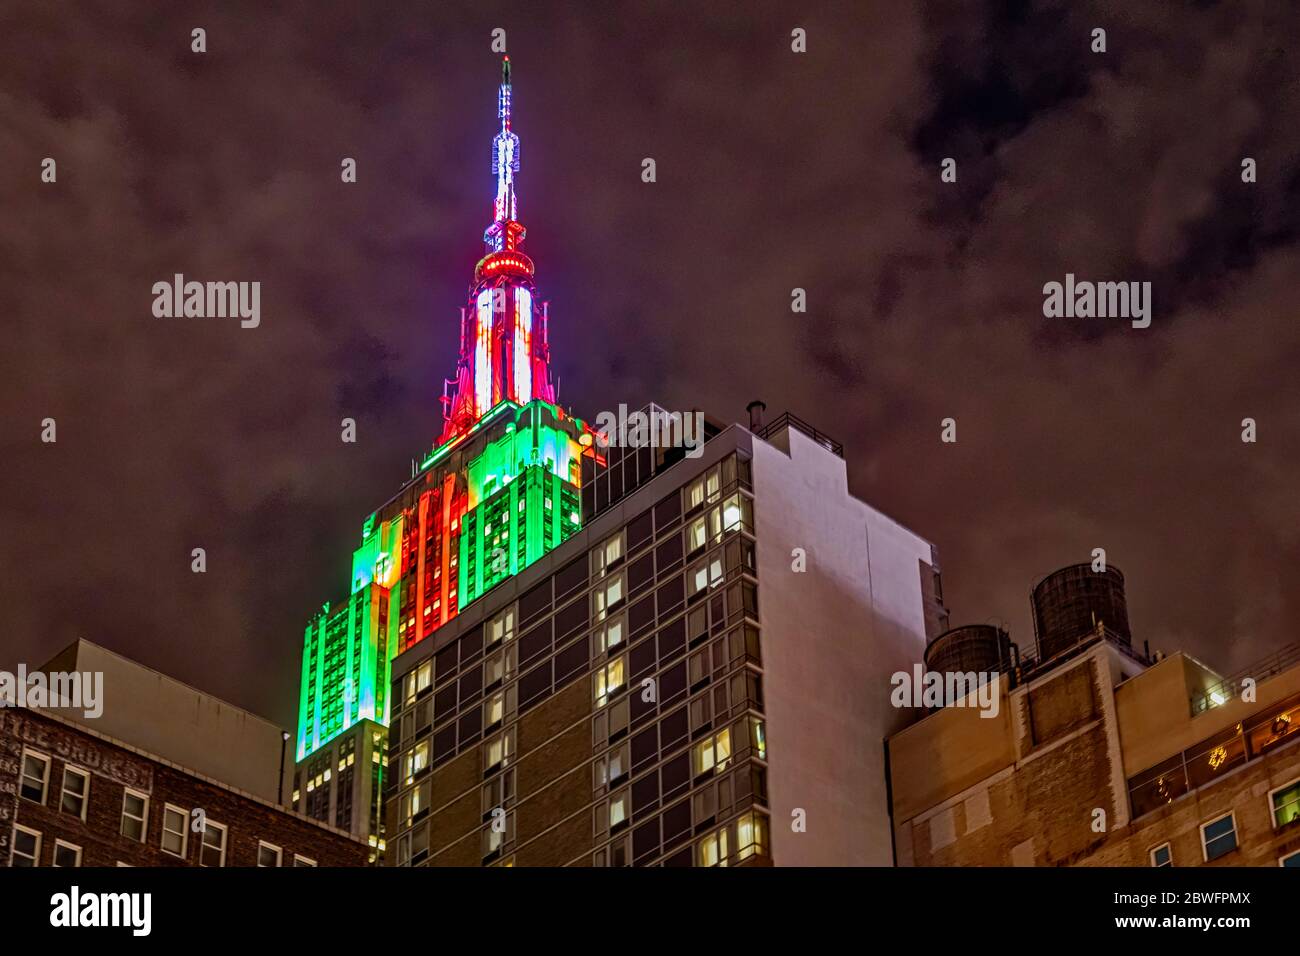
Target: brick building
column 1099, row 756
column 70, row 796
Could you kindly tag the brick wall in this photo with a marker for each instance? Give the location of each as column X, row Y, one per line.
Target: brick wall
column 113, row 769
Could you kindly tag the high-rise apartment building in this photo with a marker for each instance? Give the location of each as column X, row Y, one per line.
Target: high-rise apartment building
column 607, row 647
column 698, row 677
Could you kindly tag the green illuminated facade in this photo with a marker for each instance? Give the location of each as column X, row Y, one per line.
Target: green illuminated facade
column 484, row 508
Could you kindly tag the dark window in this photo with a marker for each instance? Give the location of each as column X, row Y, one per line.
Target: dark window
column 471, row 645
column 668, row 510
column 673, row 729
column 639, row 531
column 677, row 823
column 642, row 659
column 444, row 703
column 672, row 640
column 670, row 595
column 536, row 642
column 645, row 840
column 445, row 663
column 471, row 726
column 682, row 858
column 534, row 603
column 669, row 554
column 641, row 616
column 675, row 775
column 571, row 619
column 672, row 683
column 645, row 748
column 534, row 685
column 570, row 661
column 471, row 684
column 444, row 743
column 642, row 709
column 645, row 794
column 640, row 573
column 570, row 578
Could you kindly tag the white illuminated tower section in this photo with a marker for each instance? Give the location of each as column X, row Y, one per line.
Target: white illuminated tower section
column 504, row 354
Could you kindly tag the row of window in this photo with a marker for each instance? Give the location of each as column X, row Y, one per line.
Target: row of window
column 1219, row 836
column 74, row 798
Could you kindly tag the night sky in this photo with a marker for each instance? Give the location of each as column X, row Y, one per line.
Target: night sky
column 775, row 170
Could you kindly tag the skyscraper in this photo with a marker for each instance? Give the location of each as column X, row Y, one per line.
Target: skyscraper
column 497, row 490
column 584, row 667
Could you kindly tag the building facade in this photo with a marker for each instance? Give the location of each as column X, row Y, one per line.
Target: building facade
column 1099, row 756
column 71, row 796
column 694, row 679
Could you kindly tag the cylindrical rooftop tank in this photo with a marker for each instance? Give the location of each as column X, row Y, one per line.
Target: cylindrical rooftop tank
column 1071, row 602
column 982, row 648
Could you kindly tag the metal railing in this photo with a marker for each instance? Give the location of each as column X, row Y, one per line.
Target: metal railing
column 1230, row 687
column 1209, row 759
column 786, row 420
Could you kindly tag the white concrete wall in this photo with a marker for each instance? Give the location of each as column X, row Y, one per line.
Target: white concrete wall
column 172, row 720
column 831, row 638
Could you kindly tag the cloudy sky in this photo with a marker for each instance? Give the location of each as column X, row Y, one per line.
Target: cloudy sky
column 776, row 170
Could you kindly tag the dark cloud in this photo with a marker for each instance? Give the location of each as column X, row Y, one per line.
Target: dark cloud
column 775, row 171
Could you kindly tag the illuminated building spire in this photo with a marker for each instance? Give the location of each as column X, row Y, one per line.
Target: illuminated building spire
column 506, row 232
column 504, row 350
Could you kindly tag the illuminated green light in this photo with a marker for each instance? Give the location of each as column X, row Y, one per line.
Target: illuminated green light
column 344, row 669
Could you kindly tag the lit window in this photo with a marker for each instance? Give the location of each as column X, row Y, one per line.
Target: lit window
column 499, row 832
column 501, row 627
column 76, row 787
column 713, row 849
column 1219, row 837
column 751, row 836
column 494, row 670
column 494, row 709
column 706, row 574
column 758, row 737
column 732, row 513
column 175, row 833
column 1286, row 804
column 268, row 854
column 213, row 851
column 610, row 634
column 606, row 554
column 135, row 815
column 1162, row 855
column 36, row 776
column 498, row 751
column 418, row 679
column 414, row 801
column 416, row 760
column 618, row 809
column 66, row 854
column 607, row 596
column 714, row 753
column 696, row 535
column 611, row 767
column 27, row 847
column 608, row 680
